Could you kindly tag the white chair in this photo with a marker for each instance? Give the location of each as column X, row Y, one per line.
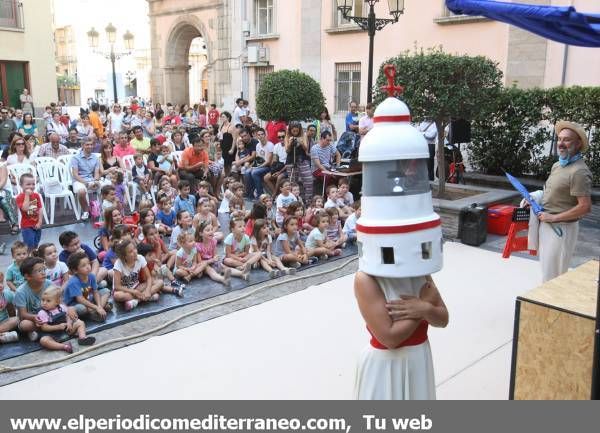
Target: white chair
column 50, row 175
column 73, row 151
column 177, row 156
column 43, row 159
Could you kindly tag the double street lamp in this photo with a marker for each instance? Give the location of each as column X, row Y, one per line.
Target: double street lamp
column 111, row 36
column 372, row 24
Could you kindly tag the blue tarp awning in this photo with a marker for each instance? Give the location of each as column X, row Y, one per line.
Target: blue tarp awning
column 558, row 23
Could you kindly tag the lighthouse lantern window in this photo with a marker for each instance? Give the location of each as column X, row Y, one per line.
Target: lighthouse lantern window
column 395, row 178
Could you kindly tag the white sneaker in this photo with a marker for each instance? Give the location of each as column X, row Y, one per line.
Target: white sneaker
column 130, row 305
column 85, row 216
column 9, row 337
column 33, row 336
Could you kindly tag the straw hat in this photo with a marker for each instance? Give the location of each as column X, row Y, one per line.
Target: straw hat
column 577, row 129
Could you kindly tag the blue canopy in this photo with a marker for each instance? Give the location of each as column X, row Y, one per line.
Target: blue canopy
column 559, row 23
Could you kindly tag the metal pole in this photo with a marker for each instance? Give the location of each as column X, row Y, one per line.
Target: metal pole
column 371, row 29
column 114, row 75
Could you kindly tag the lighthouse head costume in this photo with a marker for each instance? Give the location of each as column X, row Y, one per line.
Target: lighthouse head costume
column 399, row 235
column 399, row 246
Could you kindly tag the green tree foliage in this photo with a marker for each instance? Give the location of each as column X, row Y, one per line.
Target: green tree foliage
column 442, row 86
column 289, row 95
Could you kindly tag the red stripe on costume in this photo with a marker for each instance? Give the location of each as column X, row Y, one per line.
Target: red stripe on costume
column 417, row 337
column 403, row 118
column 392, row 230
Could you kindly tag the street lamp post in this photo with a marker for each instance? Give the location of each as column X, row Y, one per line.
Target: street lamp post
column 372, row 24
column 111, row 36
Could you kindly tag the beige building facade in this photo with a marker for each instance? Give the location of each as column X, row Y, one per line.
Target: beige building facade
column 247, row 39
column 26, row 52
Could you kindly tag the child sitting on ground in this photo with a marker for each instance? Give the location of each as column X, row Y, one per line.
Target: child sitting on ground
column 261, row 243
column 288, row 246
column 350, row 224
column 223, row 212
column 166, row 216
column 238, row 168
column 120, row 232
column 316, row 205
column 185, row 200
column 333, row 201
column 334, row 229
column 166, row 189
column 184, row 225
column 159, row 271
column 117, row 181
column 258, row 212
column 71, row 243
column 109, row 198
column 56, row 271
column 295, row 190
column 141, row 176
column 204, row 193
column 126, row 282
column 14, row 278
column 284, row 199
column 187, row 263
column 82, row 292
column 344, row 193
column 7, row 324
column 206, row 244
column 237, row 248
column 317, row 243
column 54, row 318
column 162, row 253
column 204, row 213
column 296, row 209
column 28, row 298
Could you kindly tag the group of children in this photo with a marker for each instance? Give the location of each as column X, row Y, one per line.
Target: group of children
column 173, row 243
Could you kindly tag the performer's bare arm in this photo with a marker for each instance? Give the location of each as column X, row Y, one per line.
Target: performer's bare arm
column 371, row 303
column 582, row 208
column 428, row 306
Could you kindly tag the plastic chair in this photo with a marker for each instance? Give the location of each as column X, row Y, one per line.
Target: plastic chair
column 73, row 151
column 50, row 176
column 43, row 160
column 132, row 187
column 15, row 171
column 177, row 156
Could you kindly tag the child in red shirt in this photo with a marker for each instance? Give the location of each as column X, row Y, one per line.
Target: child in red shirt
column 29, row 203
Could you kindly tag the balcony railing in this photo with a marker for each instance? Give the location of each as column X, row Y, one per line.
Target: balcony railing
column 11, row 14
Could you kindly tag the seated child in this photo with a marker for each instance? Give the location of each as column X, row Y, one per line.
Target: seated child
column 81, row 291
column 166, row 216
column 206, row 244
column 8, row 324
column 317, row 243
column 350, row 224
column 109, row 198
column 258, row 212
column 117, row 180
column 14, row 278
column 344, row 192
column 162, row 253
column 54, row 318
column 165, row 161
column 316, row 205
column 204, row 213
column 185, row 200
column 296, row 209
column 223, row 212
column 288, row 246
column 187, row 263
column 56, row 271
column 120, row 232
column 237, row 248
column 141, row 176
column 334, row 229
column 166, row 189
column 240, row 168
column 126, row 282
column 284, row 199
column 333, row 201
column 184, row 225
column 261, row 243
column 204, row 193
column 71, row 243
column 28, row 298
column 295, row 190
column 159, row 271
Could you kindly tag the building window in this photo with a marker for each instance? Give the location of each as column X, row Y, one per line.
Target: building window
column 264, row 17
column 259, row 76
column 347, row 85
column 11, row 14
column 338, row 18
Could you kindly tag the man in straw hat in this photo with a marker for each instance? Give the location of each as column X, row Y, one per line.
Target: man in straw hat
column 566, row 199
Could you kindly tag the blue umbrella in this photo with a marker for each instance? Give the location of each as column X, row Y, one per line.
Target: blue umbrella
column 559, row 23
column 535, row 206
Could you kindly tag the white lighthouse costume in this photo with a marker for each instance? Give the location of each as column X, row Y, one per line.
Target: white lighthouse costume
column 399, row 243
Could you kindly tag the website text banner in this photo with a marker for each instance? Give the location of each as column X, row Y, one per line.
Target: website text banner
column 296, row 416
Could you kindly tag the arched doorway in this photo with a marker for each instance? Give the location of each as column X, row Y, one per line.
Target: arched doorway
column 177, row 59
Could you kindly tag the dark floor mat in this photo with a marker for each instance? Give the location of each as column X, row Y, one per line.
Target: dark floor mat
column 198, row 290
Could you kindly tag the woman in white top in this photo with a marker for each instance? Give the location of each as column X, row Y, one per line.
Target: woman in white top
column 55, row 125
column 18, row 153
column 7, row 202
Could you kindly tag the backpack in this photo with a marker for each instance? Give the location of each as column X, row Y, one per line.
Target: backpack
column 348, row 145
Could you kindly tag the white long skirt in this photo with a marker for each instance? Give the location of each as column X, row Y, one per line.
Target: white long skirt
column 399, row 374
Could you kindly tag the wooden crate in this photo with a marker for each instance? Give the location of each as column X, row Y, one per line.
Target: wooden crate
column 554, row 336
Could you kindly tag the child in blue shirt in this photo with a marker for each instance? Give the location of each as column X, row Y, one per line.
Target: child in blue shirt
column 14, row 278
column 166, row 216
column 184, row 201
column 81, row 291
column 7, row 324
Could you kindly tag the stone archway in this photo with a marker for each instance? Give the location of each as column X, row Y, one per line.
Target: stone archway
column 177, row 49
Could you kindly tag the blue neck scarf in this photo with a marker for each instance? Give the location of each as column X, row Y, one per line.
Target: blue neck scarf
column 570, row 159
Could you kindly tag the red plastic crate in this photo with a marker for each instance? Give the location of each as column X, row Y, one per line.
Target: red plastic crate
column 500, row 218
